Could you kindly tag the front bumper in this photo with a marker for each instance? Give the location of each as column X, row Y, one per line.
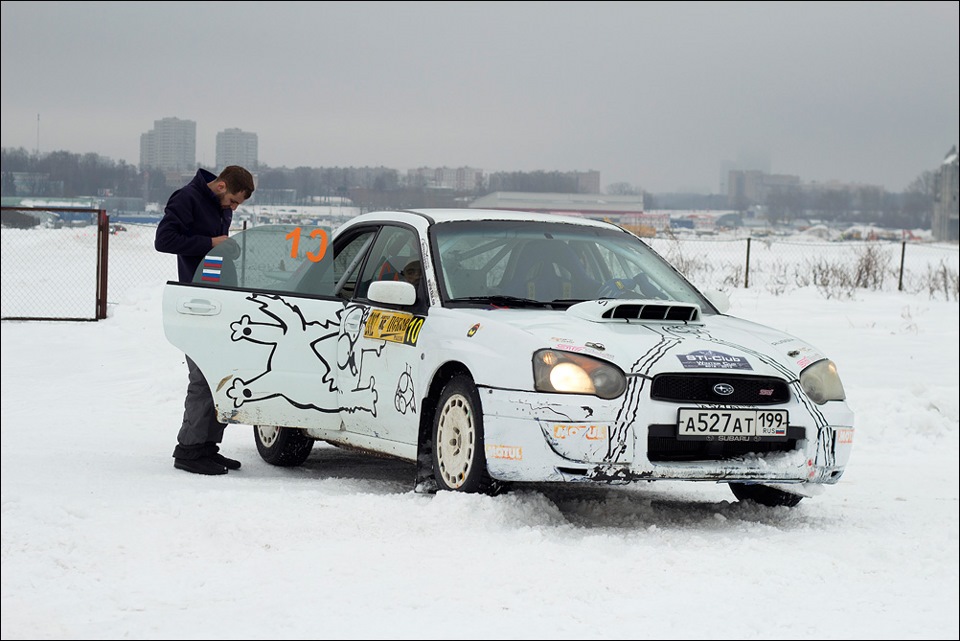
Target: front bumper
column 540, row 437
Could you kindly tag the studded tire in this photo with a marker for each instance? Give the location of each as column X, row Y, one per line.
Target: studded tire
column 459, row 460
column 764, row 495
column 283, row 446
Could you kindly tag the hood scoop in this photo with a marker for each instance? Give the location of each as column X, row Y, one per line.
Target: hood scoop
column 626, row 310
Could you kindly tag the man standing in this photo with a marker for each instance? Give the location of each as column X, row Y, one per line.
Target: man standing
column 196, row 219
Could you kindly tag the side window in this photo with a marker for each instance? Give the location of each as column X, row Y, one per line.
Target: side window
column 322, row 278
column 272, row 258
column 395, row 255
column 346, row 262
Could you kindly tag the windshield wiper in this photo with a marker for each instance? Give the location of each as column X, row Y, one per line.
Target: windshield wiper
column 501, row 299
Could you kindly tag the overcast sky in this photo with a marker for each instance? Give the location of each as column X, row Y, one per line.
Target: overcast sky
column 657, row 94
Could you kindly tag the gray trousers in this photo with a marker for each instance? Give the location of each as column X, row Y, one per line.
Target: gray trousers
column 201, row 431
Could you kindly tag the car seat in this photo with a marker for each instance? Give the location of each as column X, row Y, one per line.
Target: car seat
column 389, row 270
column 547, row 270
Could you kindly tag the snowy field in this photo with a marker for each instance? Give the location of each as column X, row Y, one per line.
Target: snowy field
column 102, row 538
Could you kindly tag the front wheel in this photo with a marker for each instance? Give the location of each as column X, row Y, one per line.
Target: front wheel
column 459, row 461
column 764, row 495
column 283, row 446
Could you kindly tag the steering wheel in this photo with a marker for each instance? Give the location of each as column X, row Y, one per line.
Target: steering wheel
column 617, row 288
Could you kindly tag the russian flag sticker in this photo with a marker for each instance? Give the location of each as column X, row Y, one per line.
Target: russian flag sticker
column 212, row 266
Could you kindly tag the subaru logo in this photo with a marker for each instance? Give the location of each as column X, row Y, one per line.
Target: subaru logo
column 723, row 389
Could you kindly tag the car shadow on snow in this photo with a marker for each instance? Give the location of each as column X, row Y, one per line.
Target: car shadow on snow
column 659, row 505
column 374, row 473
column 666, row 505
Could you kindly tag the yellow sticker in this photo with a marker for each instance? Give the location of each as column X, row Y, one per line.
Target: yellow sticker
column 396, row 327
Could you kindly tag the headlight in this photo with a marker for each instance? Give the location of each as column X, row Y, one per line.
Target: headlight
column 822, row 383
column 557, row 371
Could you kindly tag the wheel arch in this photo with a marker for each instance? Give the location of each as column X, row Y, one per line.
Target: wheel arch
column 425, row 481
column 444, row 374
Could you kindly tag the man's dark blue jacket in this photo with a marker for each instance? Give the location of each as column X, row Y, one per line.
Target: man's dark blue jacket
column 192, row 217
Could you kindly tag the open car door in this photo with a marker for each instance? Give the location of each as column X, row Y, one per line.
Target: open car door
column 261, row 321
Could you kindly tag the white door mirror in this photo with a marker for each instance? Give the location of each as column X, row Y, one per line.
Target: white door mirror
column 392, row 292
column 719, row 299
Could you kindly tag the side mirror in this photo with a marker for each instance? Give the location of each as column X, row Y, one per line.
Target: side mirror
column 718, row 299
column 392, row 292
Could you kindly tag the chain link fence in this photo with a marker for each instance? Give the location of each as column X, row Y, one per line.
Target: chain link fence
column 53, row 263
column 780, row 265
column 55, row 273
column 135, row 266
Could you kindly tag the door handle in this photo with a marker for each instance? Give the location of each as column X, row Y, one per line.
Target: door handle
column 198, row 306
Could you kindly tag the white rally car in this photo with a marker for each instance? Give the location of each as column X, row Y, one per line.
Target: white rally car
column 495, row 347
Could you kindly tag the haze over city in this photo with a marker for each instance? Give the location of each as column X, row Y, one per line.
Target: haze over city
column 661, row 95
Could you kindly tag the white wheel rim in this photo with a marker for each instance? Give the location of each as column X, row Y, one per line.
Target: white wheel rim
column 268, row 434
column 456, row 439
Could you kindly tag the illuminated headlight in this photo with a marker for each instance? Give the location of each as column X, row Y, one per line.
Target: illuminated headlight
column 822, row 383
column 556, row 371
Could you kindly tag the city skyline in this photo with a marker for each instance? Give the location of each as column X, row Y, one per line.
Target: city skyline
column 235, row 146
column 663, row 96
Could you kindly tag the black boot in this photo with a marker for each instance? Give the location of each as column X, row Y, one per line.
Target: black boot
column 212, row 451
column 196, row 459
column 205, row 465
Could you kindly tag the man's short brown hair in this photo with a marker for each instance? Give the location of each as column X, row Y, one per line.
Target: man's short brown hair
column 238, row 180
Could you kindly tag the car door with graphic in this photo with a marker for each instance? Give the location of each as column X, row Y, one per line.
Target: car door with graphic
column 380, row 343
column 263, row 321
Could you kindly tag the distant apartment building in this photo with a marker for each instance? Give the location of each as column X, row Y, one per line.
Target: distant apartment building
column 945, row 227
column 752, row 187
column 786, row 194
column 588, row 182
column 627, row 209
column 857, row 196
column 463, row 179
column 236, row 147
column 170, row 146
column 726, row 167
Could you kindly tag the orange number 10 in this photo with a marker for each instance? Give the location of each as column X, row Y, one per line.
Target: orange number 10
column 295, row 245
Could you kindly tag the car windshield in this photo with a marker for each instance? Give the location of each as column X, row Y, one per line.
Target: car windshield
column 540, row 264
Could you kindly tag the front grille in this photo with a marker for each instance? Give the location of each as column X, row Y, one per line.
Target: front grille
column 700, row 388
column 663, row 446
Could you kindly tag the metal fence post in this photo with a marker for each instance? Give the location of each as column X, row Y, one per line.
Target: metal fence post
column 746, row 272
column 903, row 252
column 103, row 252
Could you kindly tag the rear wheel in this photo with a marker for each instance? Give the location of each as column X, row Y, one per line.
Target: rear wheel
column 459, row 461
column 764, row 495
column 283, row 446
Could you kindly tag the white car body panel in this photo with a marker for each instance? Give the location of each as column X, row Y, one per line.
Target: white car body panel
column 359, row 374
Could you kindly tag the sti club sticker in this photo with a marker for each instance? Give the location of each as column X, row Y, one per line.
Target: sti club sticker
column 708, row 359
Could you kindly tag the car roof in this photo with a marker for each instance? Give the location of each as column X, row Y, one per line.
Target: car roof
column 450, row 215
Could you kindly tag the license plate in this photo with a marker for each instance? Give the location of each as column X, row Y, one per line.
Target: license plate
column 723, row 425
